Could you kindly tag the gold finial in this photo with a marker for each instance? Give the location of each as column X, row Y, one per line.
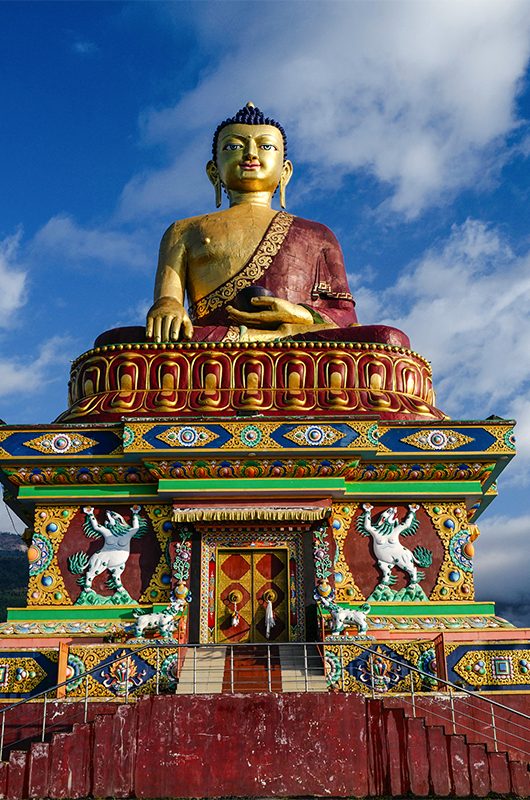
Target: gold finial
column 250, row 104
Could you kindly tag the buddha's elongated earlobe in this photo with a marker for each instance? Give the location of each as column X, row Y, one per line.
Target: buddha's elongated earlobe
column 287, row 172
column 283, row 184
column 218, row 193
column 215, row 180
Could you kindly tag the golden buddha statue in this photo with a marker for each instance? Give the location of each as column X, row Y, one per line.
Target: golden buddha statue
column 251, row 273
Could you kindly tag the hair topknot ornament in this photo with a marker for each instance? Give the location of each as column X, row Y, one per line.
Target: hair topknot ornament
column 248, row 115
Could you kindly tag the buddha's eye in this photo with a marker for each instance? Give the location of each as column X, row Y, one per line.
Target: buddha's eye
column 233, row 146
column 268, row 147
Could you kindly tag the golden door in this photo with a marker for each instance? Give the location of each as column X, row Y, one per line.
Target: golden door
column 246, row 580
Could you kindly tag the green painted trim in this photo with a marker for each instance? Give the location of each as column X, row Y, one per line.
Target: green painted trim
column 414, row 488
column 57, row 613
column 484, row 608
column 111, row 491
column 447, row 455
column 65, row 459
column 322, row 485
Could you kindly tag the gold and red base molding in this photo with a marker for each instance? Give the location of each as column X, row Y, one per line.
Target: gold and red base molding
column 278, row 378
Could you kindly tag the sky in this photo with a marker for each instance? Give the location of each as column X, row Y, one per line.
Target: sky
column 408, row 125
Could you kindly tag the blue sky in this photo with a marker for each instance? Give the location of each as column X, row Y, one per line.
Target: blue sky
column 408, row 124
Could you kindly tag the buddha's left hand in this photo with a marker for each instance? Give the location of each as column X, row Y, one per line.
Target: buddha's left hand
column 270, row 312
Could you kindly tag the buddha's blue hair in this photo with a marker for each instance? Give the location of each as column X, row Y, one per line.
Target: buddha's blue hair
column 248, row 115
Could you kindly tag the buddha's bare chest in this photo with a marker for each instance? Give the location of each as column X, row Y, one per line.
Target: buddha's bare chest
column 217, row 251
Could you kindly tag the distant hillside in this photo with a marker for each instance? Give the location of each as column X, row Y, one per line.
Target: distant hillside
column 13, row 572
column 10, row 542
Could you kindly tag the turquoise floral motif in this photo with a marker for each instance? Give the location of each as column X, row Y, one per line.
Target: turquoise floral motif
column 250, row 436
column 45, row 550
column 333, row 668
column 456, row 550
column 169, row 669
column 372, row 434
column 427, row 663
column 75, row 672
column 509, row 439
column 128, row 436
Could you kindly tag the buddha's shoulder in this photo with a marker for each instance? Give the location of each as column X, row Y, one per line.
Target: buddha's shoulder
column 316, row 230
column 181, row 227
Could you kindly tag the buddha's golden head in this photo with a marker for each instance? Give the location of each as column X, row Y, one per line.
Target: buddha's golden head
column 249, row 156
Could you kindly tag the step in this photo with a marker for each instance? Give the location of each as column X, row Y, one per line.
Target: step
column 293, row 666
column 202, row 671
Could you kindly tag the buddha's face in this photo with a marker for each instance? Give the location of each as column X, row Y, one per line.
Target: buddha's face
column 250, row 158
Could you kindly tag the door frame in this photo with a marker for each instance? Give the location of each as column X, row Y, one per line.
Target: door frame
column 213, row 538
column 249, row 549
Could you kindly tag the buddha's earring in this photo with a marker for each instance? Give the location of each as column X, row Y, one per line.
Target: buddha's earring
column 218, row 192
column 282, row 192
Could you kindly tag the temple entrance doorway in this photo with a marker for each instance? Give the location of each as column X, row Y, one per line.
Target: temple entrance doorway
column 248, row 579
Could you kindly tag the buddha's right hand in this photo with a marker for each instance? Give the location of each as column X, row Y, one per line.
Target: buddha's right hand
column 167, row 321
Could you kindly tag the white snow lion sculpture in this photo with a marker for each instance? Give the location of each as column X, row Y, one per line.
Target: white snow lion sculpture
column 163, row 622
column 341, row 617
column 388, row 550
column 117, row 536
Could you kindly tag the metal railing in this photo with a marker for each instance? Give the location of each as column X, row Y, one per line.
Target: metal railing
column 296, row 667
column 458, row 717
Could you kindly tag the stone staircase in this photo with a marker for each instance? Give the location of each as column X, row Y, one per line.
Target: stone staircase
column 202, row 671
column 207, row 670
column 278, row 745
column 302, row 672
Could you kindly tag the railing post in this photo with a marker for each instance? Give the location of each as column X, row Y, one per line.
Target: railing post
column 451, row 699
column 306, row 680
column 158, row 670
column 85, row 704
column 412, row 694
column 43, row 731
column 493, row 725
column 127, row 680
column 194, row 670
column 269, row 681
column 232, row 668
column 2, row 733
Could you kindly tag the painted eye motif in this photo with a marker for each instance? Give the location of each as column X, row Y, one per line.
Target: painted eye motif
column 267, row 147
column 233, row 146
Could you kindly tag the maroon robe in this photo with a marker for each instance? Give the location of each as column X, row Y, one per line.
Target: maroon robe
column 297, row 260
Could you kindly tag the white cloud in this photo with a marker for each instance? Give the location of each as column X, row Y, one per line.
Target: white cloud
column 12, row 279
column 501, row 568
column 21, row 376
column 466, row 306
column 420, row 94
column 64, row 238
column 179, row 186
